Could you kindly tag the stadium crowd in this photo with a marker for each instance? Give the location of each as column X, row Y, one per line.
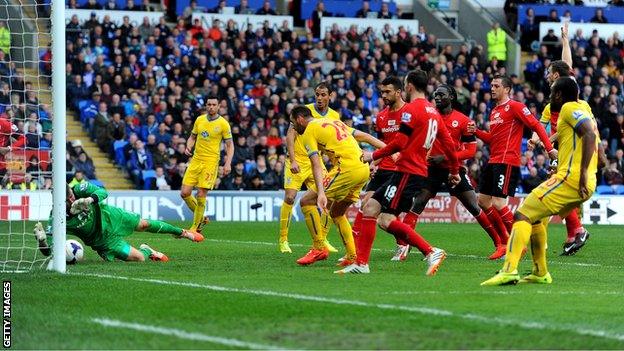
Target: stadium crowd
column 139, row 89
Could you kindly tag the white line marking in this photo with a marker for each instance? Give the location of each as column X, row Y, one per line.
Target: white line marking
column 576, row 329
column 505, row 292
column 484, row 259
column 182, row 334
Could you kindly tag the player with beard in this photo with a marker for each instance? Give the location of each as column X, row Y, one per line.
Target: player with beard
column 421, row 124
column 387, row 126
column 461, row 129
column 501, row 175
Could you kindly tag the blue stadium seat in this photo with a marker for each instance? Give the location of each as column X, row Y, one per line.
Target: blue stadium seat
column 148, row 177
column 619, row 189
column 120, row 158
column 605, row 190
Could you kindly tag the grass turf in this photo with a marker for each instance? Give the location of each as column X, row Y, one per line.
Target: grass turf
column 236, row 285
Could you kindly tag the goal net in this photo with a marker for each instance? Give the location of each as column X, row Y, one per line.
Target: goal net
column 27, row 131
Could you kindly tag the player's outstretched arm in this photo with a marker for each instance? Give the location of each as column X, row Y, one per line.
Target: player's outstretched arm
column 483, row 135
column 397, row 144
column 566, row 51
column 369, row 139
column 449, row 147
column 585, row 130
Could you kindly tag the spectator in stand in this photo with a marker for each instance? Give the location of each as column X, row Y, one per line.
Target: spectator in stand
column 111, row 5
column 92, row 5
column 219, row 8
column 384, row 12
column 85, row 165
column 616, row 3
column 363, row 12
column 599, row 17
column 268, row 179
column 162, row 183
column 140, row 160
column 612, row 175
column 266, row 9
column 497, row 47
column 243, row 8
column 318, row 13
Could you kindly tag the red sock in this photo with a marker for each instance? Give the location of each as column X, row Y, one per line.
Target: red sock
column 573, row 225
column 364, row 243
column 497, row 221
column 485, row 223
column 507, row 217
column 410, row 219
column 357, row 224
column 398, row 228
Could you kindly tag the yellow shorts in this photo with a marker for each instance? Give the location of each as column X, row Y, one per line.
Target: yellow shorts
column 201, row 174
column 295, row 181
column 345, row 185
column 552, row 197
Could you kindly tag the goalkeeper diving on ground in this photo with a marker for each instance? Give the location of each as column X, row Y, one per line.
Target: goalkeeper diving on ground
column 104, row 228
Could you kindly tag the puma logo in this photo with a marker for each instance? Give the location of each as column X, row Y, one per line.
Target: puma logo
column 163, row 201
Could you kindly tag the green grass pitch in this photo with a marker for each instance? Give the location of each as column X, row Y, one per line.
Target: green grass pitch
column 236, row 291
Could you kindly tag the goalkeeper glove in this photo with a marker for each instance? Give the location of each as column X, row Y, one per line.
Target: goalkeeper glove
column 39, row 232
column 81, row 205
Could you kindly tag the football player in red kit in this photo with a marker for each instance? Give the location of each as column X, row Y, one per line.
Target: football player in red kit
column 420, row 125
column 500, row 177
column 387, row 125
column 461, row 129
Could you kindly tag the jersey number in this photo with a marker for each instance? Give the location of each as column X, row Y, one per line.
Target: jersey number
column 501, row 182
column 432, row 130
column 341, row 129
column 390, row 192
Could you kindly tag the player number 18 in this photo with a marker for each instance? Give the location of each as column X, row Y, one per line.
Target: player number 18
column 432, row 130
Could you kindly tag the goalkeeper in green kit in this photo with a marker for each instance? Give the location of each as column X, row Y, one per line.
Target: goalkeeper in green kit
column 104, row 228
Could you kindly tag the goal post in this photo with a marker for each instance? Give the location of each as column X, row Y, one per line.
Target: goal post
column 59, row 128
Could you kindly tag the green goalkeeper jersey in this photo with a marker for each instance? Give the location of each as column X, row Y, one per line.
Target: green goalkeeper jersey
column 85, row 225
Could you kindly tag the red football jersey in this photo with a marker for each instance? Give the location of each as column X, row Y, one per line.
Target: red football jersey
column 6, row 128
column 426, row 125
column 507, row 122
column 387, row 125
column 457, row 125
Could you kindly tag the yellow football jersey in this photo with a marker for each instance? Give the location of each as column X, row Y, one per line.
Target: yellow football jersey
column 210, row 134
column 570, row 145
column 547, row 117
column 334, row 139
column 301, row 156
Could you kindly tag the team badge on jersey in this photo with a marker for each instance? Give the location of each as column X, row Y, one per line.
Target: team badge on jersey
column 577, row 114
column 507, row 108
column 454, row 124
column 204, row 134
column 406, row 117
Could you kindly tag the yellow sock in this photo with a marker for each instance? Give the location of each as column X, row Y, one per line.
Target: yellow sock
column 198, row 214
column 313, row 222
column 325, row 225
column 538, row 249
column 518, row 240
column 285, row 213
column 191, row 202
column 344, row 229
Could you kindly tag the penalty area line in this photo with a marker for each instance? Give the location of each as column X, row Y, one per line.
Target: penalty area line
column 531, row 325
column 181, row 334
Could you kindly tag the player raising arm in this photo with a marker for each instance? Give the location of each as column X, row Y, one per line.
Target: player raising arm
column 577, row 234
column 209, row 131
column 502, row 173
column 104, row 228
column 335, row 191
column 573, row 184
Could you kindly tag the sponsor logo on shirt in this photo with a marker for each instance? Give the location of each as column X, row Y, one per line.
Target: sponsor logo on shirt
column 526, row 111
